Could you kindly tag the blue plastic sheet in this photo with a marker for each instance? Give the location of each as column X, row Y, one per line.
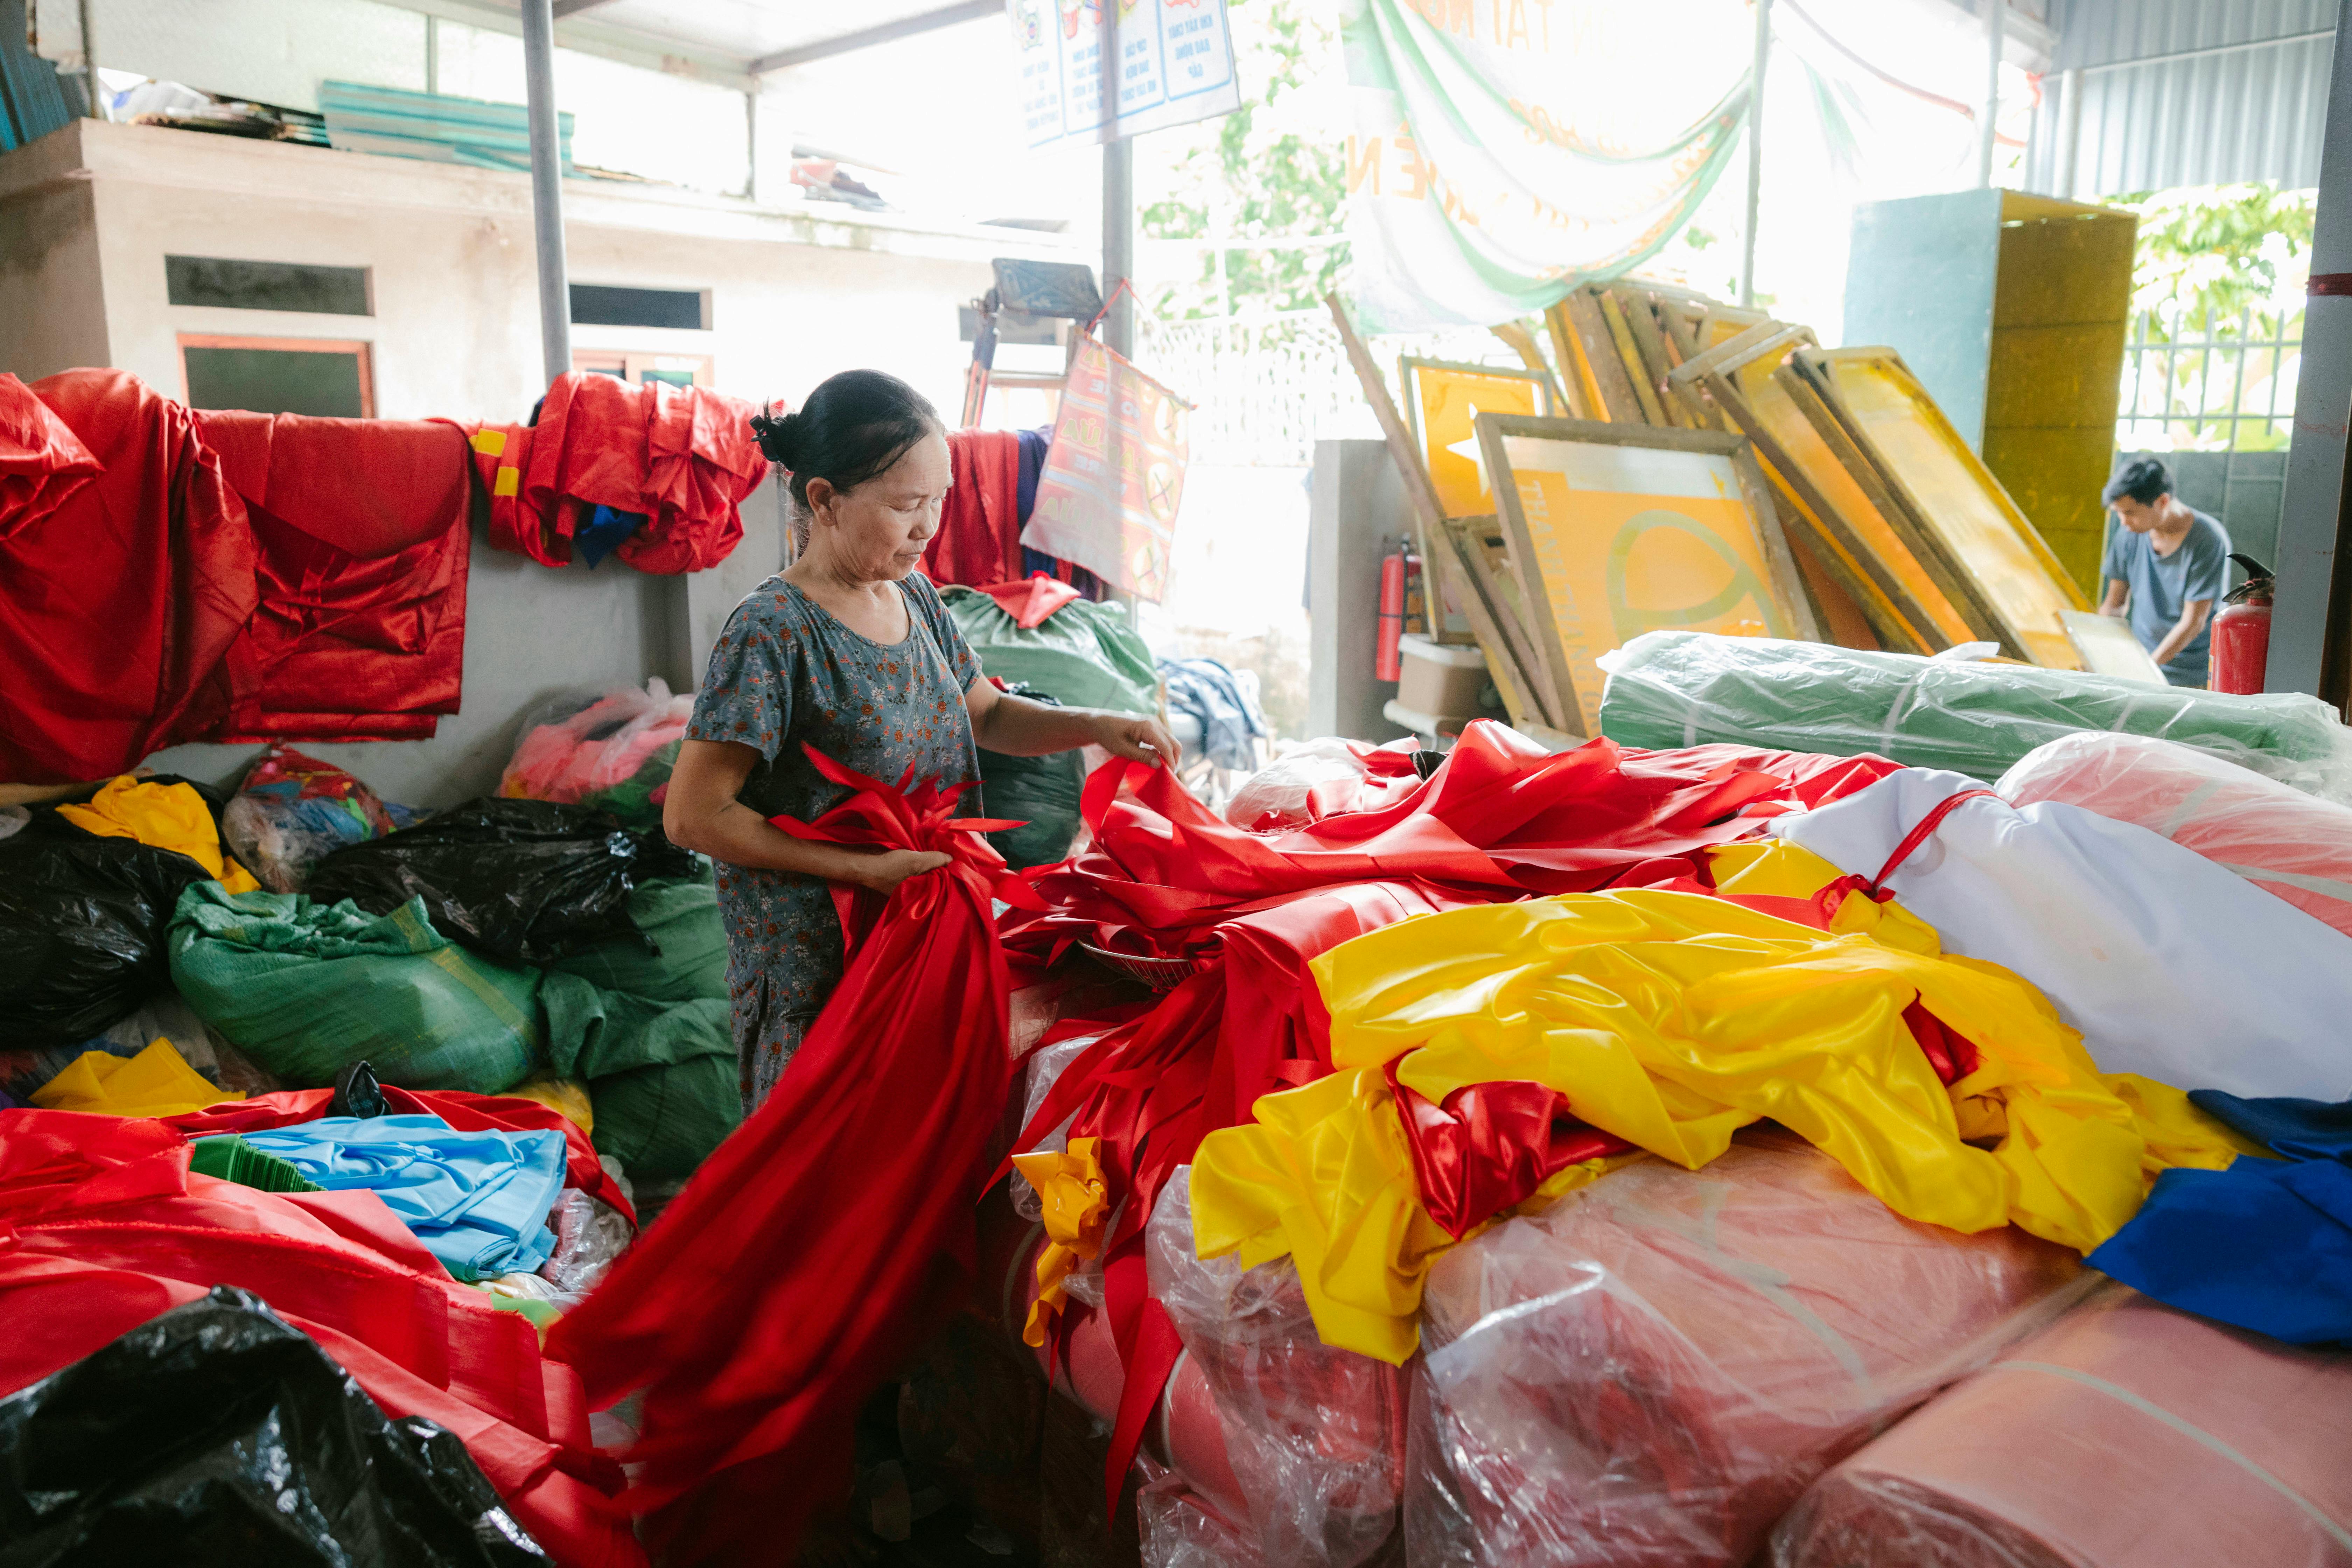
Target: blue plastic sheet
column 477, row 1201
column 2266, row 1245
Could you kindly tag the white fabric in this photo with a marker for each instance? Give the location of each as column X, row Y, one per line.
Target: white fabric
column 2171, row 965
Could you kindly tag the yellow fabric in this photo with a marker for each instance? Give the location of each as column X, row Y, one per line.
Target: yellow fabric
column 563, row 1095
column 490, row 441
column 1672, row 1020
column 1324, row 1174
column 507, row 481
column 156, row 1083
column 1077, row 1202
column 169, row 816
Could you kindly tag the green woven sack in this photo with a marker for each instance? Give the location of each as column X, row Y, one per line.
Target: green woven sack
column 1689, row 688
column 682, row 920
column 661, row 1075
column 1085, row 654
column 306, row 988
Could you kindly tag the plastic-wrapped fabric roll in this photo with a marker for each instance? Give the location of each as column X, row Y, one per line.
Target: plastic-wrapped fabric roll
column 1647, row 1373
column 2126, row 1436
column 1685, row 688
column 2280, row 840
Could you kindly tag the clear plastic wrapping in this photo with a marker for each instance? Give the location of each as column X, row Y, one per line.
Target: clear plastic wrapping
column 1181, row 1529
column 1649, row 1372
column 1673, row 688
column 2278, row 838
column 1043, row 1067
column 1315, row 1435
column 590, row 1236
column 614, row 752
column 291, row 811
column 2125, row 1436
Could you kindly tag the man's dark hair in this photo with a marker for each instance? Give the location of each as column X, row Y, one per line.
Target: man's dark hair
column 2144, row 479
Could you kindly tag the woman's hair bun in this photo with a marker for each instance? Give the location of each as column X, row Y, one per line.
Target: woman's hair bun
column 780, row 437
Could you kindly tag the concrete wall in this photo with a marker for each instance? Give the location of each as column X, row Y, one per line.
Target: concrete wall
column 1357, row 506
column 87, row 217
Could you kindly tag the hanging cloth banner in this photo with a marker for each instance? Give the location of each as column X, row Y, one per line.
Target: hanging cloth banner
column 1107, row 498
column 1504, row 151
column 1097, row 70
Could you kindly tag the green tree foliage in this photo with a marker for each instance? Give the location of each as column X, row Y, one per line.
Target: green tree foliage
column 2213, row 253
column 1275, row 167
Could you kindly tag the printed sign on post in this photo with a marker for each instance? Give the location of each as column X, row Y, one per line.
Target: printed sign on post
column 1097, row 70
column 1114, row 477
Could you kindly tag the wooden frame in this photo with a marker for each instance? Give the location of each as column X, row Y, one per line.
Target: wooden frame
column 1410, row 370
column 1987, row 586
column 1852, row 536
column 1523, row 343
column 1529, row 545
column 364, row 351
column 1481, row 551
column 1588, row 356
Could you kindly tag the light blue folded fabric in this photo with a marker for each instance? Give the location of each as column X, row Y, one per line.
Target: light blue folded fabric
column 477, row 1201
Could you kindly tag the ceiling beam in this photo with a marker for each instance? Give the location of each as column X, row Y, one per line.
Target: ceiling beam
column 574, row 7
column 588, row 35
column 885, row 33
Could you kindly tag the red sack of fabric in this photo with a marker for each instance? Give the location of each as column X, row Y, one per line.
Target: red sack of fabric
column 364, row 547
column 684, row 456
column 42, row 462
column 122, row 596
column 1649, row 1372
column 809, row 1253
column 102, row 1226
column 2125, row 1436
column 979, row 539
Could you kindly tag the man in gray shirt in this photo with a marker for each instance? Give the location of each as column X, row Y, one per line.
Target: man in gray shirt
column 2165, row 567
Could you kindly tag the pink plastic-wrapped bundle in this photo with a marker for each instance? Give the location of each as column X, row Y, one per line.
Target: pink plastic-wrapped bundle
column 1314, row 1435
column 614, row 752
column 2127, row 1436
column 1647, row 1373
column 2284, row 841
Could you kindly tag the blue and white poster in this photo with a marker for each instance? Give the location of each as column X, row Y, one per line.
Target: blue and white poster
column 1096, row 70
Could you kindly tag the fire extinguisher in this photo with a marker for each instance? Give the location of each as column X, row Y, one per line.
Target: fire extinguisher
column 1388, row 663
column 2242, row 631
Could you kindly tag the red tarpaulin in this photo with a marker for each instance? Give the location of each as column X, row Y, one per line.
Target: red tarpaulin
column 683, row 457
column 809, row 1254
column 102, row 1226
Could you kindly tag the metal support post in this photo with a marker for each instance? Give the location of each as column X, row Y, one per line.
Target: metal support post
column 1988, row 117
column 1755, row 151
column 1118, row 243
column 2312, row 515
column 2070, row 133
column 547, row 185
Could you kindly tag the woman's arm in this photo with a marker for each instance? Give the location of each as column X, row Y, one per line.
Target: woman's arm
column 1016, row 726
column 700, row 812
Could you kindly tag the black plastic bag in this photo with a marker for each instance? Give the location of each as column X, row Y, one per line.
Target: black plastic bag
column 1040, row 792
column 218, row 1433
column 526, row 882
column 82, row 922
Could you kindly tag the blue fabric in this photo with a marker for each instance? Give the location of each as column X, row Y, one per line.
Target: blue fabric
column 1034, row 446
column 477, row 1201
column 2161, row 586
column 607, row 530
column 1229, row 720
column 2266, row 1245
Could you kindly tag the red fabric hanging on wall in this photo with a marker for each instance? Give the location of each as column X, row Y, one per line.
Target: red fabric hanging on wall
column 809, row 1254
column 122, row 596
column 682, row 455
column 979, row 540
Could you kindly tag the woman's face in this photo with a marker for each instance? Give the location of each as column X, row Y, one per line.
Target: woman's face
column 876, row 530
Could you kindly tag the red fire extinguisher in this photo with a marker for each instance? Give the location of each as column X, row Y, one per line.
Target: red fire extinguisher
column 2242, row 631
column 1388, row 664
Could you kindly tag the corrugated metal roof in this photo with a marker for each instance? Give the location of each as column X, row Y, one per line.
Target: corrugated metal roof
column 2185, row 92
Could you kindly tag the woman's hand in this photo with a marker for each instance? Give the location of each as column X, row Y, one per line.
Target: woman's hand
column 1138, row 740
column 884, row 872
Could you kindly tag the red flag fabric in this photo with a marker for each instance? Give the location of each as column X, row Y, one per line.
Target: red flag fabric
column 102, row 1226
column 684, row 456
column 42, row 462
column 979, row 540
column 1030, row 603
column 810, row 1252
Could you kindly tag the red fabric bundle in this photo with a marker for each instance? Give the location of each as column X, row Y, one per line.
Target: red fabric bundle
column 363, row 540
column 1499, row 819
column 1648, row 1372
column 682, row 455
column 42, row 462
column 979, row 540
column 2126, row 1436
column 102, row 1226
column 122, row 595
column 809, row 1254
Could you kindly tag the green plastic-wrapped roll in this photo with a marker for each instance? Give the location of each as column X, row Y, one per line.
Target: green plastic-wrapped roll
column 1687, row 688
column 1083, row 654
column 304, row 988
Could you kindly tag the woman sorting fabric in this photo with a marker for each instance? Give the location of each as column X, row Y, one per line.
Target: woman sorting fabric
column 848, row 650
